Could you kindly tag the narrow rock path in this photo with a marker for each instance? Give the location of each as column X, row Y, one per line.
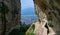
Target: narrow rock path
column 39, row 30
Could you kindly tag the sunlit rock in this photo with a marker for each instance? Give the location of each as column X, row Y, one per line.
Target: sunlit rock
column 48, row 12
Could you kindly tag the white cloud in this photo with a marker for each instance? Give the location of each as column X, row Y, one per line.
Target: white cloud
column 26, row 4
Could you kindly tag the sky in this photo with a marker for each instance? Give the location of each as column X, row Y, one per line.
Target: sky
column 27, row 7
column 26, row 4
column 27, row 11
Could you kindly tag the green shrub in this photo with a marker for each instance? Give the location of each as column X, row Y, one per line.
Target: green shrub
column 23, row 29
column 31, row 33
column 33, row 26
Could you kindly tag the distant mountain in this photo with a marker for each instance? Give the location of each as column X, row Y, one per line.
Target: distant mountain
column 28, row 11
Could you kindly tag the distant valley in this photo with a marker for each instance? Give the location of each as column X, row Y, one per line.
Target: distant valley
column 28, row 16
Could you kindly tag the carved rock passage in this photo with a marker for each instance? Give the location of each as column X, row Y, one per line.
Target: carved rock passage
column 48, row 12
column 50, row 9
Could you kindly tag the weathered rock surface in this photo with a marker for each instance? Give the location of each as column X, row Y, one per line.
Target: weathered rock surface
column 48, row 12
column 13, row 16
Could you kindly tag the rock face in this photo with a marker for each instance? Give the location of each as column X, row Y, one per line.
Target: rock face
column 12, row 17
column 48, row 12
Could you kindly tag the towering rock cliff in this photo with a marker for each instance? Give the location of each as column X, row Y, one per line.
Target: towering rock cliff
column 48, row 23
column 12, row 17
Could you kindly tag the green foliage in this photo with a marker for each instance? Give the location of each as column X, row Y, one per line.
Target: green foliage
column 33, row 26
column 23, row 29
column 31, row 33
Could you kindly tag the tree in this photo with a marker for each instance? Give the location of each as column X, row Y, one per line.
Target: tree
column 3, row 10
